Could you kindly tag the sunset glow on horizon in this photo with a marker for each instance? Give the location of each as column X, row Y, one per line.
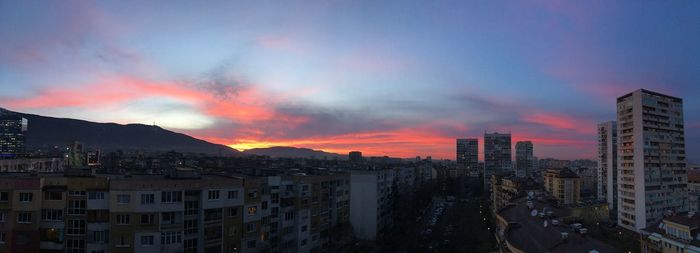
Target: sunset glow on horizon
column 401, row 79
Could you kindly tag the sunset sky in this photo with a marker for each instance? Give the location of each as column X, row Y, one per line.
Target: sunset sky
column 400, row 78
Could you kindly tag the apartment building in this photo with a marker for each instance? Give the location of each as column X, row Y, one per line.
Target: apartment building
column 607, row 165
column 468, row 156
column 524, row 159
column 563, row 184
column 370, row 202
column 497, row 155
column 652, row 174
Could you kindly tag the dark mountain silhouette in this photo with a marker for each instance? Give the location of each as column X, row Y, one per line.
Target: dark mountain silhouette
column 48, row 132
column 292, row 152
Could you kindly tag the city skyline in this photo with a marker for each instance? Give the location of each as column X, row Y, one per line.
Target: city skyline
column 400, row 80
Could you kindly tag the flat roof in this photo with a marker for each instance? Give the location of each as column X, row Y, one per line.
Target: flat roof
column 530, row 235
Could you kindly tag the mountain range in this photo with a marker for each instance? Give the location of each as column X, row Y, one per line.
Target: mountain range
column 46, row 132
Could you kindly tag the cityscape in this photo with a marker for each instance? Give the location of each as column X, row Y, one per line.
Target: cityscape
column 330, row 126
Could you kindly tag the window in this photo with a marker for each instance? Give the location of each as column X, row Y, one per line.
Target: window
column 191, row 207
column 168, row 218
column 251, row 244
column 123, row 199
column 96, row 195
column 147, row 240
column 2, row 237
column 170, row 237
column 76, row 207
column 250, row 227
column 75, row 227
column 171, row 197
column 232, row 194
column 147, row 219
column 99, row 236
column 191, row 227
column 289, row 215
column 232, row 212
column 24, row 218
column 304, row 228
column 122, row 243
column 2, row 216
column 25, row 197
column 191, row 245
column 75, row 245
column 213, row 195
column 252, row 210
column 123, row 219
column 253, row 194
column 52, row 214
column 263, row 205
column 148, row 199
column 4, row 196
column 303, row 242
column 53, row 195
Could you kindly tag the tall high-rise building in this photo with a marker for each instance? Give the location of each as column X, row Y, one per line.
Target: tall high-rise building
column 652, row 175
column 468, row 156
column 524, row 159
column 607, row 165
column 497, row 155
column 13, row 132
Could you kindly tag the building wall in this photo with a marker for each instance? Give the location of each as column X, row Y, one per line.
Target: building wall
column 652, row 163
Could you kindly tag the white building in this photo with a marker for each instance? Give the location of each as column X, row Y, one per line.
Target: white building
column 370, row 202
column 607, row 165
column 652, row 173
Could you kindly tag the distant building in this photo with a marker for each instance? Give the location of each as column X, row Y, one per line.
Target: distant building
column 505, row 187
column 468, row 156
column 673, row 234
column 93, row 158
column 652, row 174
column 355, row 156
column 13, row 135
column 524, row 159
column 497, row 155
column 370, row 202
column 607, row 165
column 563, row 184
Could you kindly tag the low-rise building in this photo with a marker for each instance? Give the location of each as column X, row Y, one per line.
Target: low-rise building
column 674, row 234
column 563, row 184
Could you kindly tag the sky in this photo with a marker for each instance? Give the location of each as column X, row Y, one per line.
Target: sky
column 397, row 78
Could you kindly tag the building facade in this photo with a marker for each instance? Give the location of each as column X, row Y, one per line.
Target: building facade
column 524, row 159
column 497, row 155
column 13, row 135
column 607, row 165
column 652, row 175
column 370, row 202
column 563, row 184
column 179, row 212
column 468, row 156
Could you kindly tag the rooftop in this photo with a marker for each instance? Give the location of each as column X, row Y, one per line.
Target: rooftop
column 528, row 233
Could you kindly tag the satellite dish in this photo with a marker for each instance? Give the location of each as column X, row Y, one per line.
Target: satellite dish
column 533, row 213
column 545, row 223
